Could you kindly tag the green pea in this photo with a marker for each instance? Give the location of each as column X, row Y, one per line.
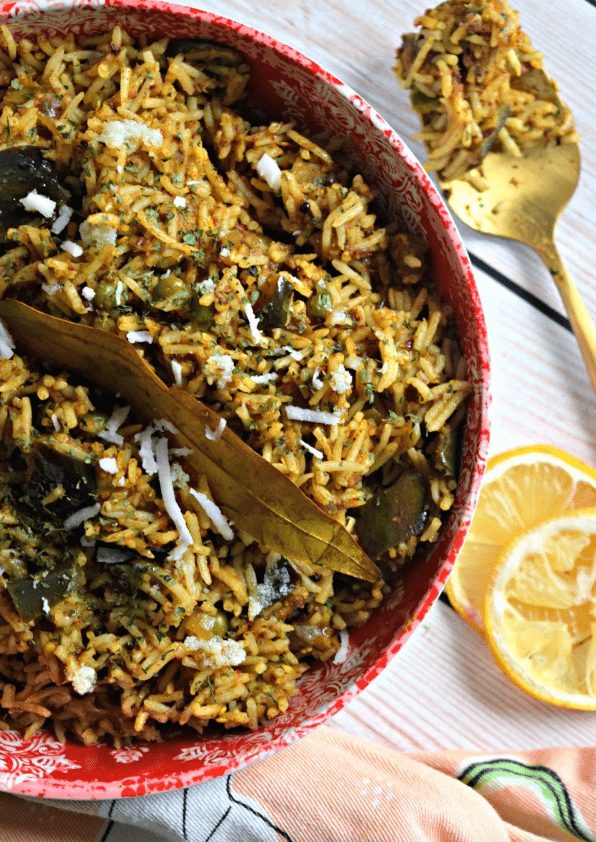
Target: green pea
column 173, row 291
column 205, row 626
column 219, row 627
column 202, row 315
column 93, row 422
column 110, row 294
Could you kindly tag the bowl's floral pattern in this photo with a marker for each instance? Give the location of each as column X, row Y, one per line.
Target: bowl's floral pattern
column 27, row 761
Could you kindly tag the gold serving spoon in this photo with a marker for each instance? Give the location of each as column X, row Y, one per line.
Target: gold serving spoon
column 253, row 493
column 523, row 201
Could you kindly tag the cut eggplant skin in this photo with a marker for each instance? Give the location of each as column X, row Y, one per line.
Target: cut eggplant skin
column 34, row 595
column 446, row 450
column 22, row 170
column 49, row 467
column 276, row 313
column 320, row 304
column 393, row 514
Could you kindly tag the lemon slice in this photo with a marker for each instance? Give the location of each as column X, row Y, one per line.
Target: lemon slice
column 521, row 488
column 540, row 610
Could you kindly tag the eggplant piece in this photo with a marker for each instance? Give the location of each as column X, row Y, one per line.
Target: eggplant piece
column 204, row 50
column 424, row 104
column 393, row 515
column 182, row 45
column 406, row 52
column 276, row 312
column 51, row 464
column 111, row 554
column 319, row 305
column 536, row 82
column 390, row 471
column 490, row 139
column 23, row 169
column 445, row 450
column 32, row 593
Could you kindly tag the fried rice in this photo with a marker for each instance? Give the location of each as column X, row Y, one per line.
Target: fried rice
column 478, row 85
column 248, row 266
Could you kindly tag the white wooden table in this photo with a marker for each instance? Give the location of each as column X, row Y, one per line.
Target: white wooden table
column 444, row 691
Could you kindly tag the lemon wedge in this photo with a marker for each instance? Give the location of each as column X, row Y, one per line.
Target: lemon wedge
column 521, row 488
column 540, row 610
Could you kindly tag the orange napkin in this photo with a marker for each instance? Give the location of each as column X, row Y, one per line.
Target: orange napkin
column 331, row 787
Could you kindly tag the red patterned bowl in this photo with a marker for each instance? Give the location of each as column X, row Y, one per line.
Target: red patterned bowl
column 286, row 83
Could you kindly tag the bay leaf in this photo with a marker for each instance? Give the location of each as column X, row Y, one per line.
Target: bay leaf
column 250, row 491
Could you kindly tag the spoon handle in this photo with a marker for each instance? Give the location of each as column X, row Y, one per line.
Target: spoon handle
column 581, row 321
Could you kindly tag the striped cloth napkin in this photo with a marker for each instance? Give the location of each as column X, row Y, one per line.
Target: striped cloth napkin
column 332, row 787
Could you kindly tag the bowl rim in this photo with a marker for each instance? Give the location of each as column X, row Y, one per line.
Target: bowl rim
column 47, row 787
